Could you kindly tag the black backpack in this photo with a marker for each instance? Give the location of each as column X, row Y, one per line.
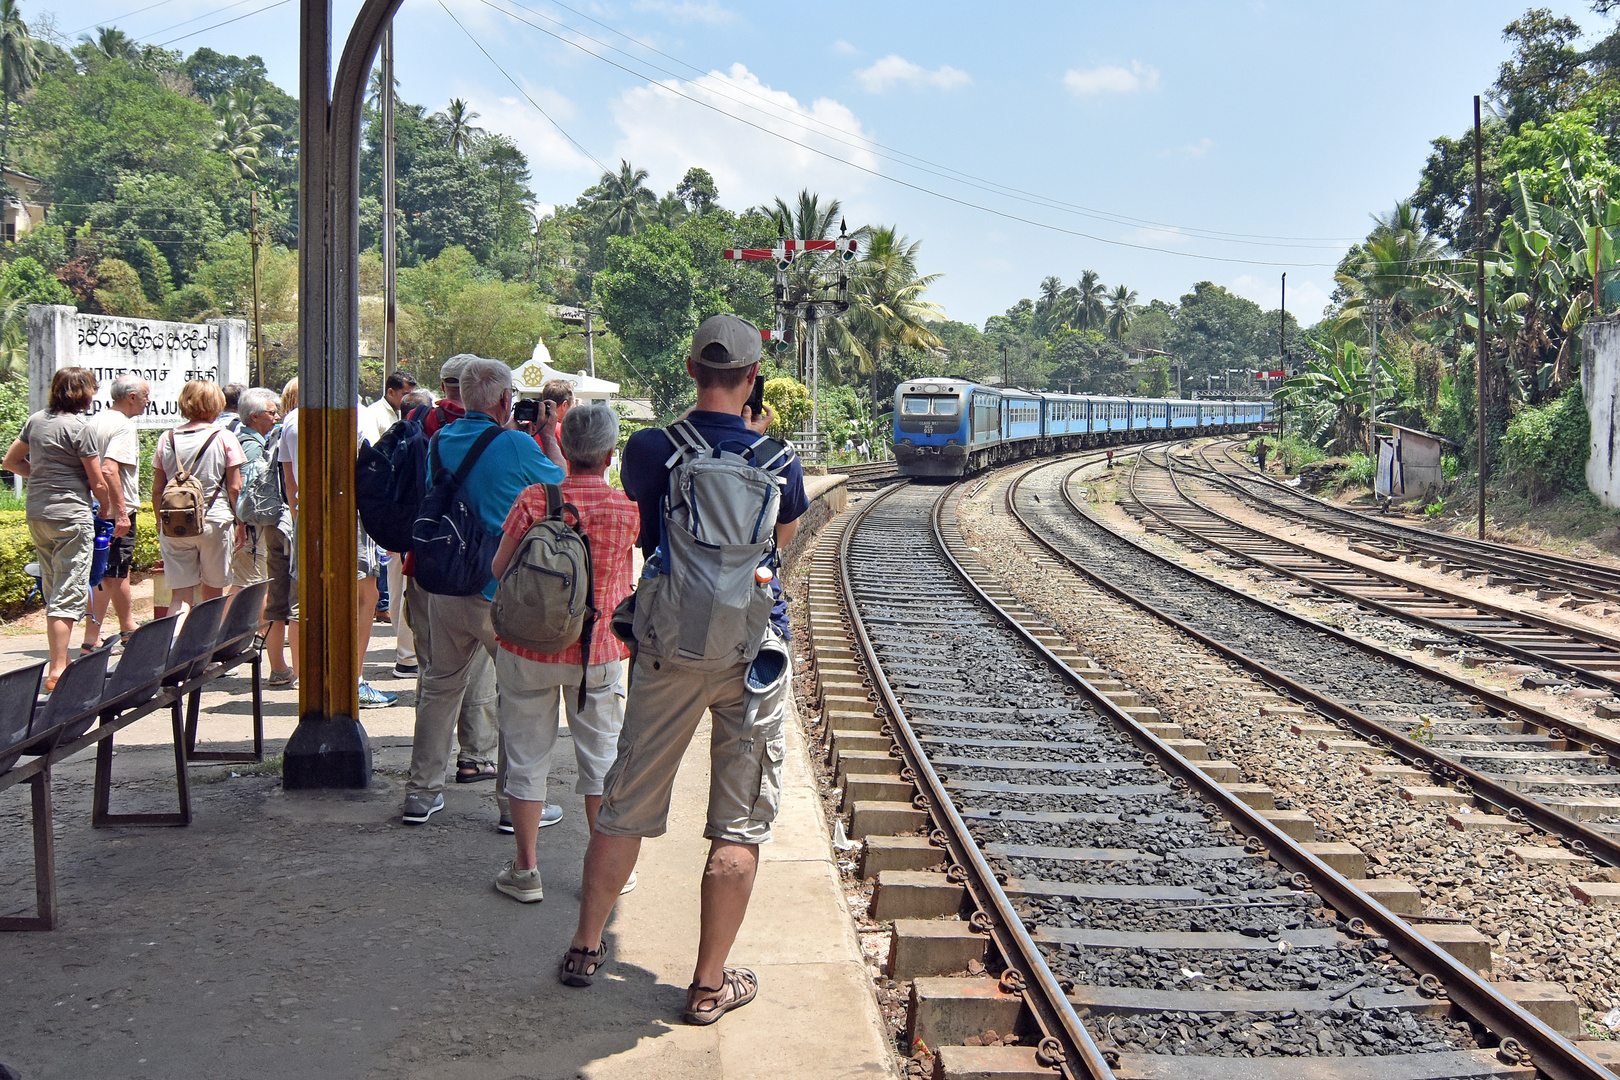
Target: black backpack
column 390, row 479
column 454, row 551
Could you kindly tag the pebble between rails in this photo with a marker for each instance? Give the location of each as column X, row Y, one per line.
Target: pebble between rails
column 1540, row 932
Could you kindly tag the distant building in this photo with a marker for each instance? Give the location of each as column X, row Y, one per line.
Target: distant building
column 26, row 204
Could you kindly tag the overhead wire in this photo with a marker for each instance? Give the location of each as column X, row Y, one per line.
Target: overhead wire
column 108, row 22
column 1004, row 214
column 226, row 22
column 925, row 165
column 520, row 89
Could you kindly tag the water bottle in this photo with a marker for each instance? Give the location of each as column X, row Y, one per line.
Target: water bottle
column 98, row 557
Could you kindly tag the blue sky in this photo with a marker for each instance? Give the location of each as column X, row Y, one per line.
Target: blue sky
column 1250, row 134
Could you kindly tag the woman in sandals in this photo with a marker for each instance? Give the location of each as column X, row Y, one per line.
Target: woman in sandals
column 198, row 567
column 57, row 454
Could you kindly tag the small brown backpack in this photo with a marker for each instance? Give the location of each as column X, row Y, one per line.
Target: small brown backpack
column 182, row 510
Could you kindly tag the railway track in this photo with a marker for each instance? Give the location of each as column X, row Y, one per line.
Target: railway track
column 1517, row 568
column 1153, row 923
column 1529, row 765
column 1166, row 489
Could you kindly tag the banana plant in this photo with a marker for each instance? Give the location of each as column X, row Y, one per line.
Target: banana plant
column 1330, row 394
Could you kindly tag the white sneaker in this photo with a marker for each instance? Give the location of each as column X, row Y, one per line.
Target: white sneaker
column 629, row 886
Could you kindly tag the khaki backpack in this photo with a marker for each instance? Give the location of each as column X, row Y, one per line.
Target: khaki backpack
column 546, row 599
column 182, row 510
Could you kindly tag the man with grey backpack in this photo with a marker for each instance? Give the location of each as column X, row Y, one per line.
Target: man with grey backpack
column 717, row 499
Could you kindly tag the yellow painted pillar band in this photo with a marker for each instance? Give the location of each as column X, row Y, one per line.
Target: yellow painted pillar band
column 328, row 562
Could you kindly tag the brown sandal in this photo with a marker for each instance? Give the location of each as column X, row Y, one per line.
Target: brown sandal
column 705, row 1005
column 579, row 966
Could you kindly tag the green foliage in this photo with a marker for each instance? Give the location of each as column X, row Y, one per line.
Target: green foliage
column 17, row 551
column 1358, row 471
column 1545, row 448
column 451, row 305
column 25, row 281
column 120, row 292
column 1157, row 382
column 790, row 399
column 1289, row 451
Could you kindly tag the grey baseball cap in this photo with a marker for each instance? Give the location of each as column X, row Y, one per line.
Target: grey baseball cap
column 450, row 370
column 739, row 337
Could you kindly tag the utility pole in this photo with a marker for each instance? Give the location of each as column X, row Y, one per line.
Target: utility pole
column 389, row 213
column 1372, row 390
column 1479, row 303
column 590, row 340
column 258, row 333
column 1006, row 380
column 1282, row 344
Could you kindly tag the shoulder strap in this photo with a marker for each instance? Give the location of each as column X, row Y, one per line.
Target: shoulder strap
column 201, row 450
column 475, row 453
column 686, row 440
column 784, row 453
column 554, row 501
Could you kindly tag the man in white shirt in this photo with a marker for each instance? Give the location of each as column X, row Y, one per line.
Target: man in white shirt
column 385, row 411
column 118, row 446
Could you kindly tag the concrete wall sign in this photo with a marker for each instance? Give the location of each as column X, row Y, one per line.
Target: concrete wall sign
column 1600, row 384
column 166, row 354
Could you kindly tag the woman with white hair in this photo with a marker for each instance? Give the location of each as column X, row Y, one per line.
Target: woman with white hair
column 530, row 683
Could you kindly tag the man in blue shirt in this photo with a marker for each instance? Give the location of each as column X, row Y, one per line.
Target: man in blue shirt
column 455, row 639
column 746, row 701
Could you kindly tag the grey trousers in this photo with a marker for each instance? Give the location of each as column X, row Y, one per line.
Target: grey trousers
column 455, row 693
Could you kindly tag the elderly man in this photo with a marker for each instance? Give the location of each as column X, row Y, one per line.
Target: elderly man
column 119, row 447
column 531, row 682
column 454, row 634
column 260, row 435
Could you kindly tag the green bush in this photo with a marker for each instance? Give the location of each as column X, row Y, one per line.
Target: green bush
column 1544, row 451
column 17, row 551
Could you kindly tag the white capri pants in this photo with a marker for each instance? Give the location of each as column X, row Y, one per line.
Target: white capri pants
column 528, row 717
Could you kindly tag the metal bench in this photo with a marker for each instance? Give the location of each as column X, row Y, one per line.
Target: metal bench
column 154, row 673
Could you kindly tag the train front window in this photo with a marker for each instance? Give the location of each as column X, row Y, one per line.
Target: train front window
column 914, row 405
column 945, row 406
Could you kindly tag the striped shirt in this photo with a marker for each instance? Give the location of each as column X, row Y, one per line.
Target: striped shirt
column 610, row 523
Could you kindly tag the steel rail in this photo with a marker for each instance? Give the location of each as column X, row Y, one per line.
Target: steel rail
column 1042, row 993
column 1550, row 1052
column 1582, row 839
column 1565, row 573
column 1575, row 634
column 1586, row 736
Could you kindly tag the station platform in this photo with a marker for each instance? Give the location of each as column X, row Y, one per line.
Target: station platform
column 313, row 935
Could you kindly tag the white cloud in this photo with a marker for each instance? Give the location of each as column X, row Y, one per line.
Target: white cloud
column 1199, row 148
column 1111, row 79
column 666, row 133
column 893, row 69
column 844, row 48
column 1306, row 298
column 510, row 114
column 687, row 11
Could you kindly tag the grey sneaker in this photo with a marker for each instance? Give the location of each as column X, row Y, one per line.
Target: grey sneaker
column 419, row 807
column 629, row 886
column 551, row 814
column 520, row 885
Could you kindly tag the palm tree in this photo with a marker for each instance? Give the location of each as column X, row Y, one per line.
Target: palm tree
column 1086, row 299
column 1121, row 311
column 669, row 212
column 809, row 219
column 622, row 200
column 113, row 44
column 459, row 132
column 240, row 126
column 1049, row 308
column 886, row 306
column 19, row 64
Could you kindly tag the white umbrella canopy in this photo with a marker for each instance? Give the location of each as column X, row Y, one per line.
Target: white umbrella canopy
column 534, row 375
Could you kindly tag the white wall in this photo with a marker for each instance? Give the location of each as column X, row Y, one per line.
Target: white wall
column 1600, row 382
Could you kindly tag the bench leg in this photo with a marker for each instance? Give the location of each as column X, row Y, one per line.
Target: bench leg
column 44, row 862
column 192, row 707
column 101, row 816
column 258, row 707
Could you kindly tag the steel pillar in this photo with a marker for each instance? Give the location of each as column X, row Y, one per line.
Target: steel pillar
column 329, row 748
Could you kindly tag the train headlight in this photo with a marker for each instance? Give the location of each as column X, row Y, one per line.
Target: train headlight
column 905, row 442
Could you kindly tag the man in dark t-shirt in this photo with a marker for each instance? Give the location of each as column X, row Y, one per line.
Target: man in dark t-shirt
column 746, row 702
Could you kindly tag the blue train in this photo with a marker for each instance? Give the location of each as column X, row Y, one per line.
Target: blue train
column 950, row 427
